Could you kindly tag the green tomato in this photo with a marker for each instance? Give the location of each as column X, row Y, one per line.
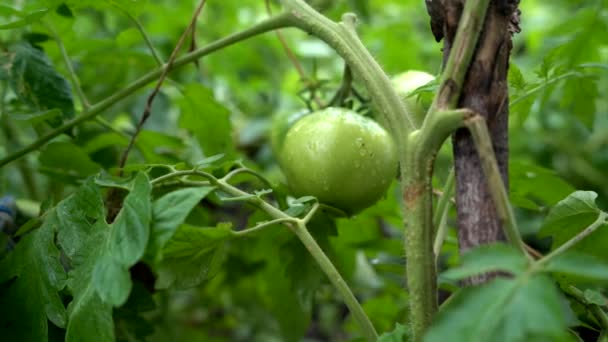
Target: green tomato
column 342, row 158
column 405, row 83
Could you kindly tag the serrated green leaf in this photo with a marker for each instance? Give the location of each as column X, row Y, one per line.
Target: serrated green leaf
column 521, row 309
column 192, row 255
column 579, row 265
column 569, row 217
column 36, row 83
column 31, row 277
column 170, row 211
column 207, row 120
column 516, row 78
column 82, row 233
column 87, row 311
column 131, row 228
column 487, row 258
column 76, row 216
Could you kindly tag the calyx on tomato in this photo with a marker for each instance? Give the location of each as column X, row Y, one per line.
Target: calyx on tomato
column 344, row 159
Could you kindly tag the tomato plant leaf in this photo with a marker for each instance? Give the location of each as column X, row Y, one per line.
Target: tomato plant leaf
column 82, row 235
column 207, row 119
column 131, row 228
column 170, row 211
column 572, row 215
column 35, row 81
column 88, row 311
column 498, row 257
column 581, row 266
column 31, row 277
column 192, row 255
column 521, row 309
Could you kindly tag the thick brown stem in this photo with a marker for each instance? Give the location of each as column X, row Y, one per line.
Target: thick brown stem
column 485, row 92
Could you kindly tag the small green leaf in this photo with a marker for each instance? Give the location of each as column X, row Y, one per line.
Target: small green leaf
column 516, row 78
column 579, row 265
column 31, row 277
column 170, row 211
column 207, row 119
column 192, row 255
column 131, row 228
column 487, row 258
column 571, row 216
column 36, row 83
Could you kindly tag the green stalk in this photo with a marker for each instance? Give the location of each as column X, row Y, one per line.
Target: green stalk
column 418, row 202
column 282, row 20
column 336, row 279
column 483, row 143
column 599, row 222
column 441, row 214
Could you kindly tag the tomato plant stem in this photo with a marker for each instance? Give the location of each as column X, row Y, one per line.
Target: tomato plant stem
column 599, row 222
column 441, row 214
column 336, row 279
column 500, row 197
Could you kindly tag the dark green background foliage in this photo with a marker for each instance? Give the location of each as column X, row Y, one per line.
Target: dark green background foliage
column 171, row 267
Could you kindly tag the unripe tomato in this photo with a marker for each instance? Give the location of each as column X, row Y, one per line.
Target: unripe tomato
column 405, row 83
column 344, row 159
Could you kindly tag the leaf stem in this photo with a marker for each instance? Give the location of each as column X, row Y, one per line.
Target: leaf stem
column 336, row 279
column 481, row 137
column 281, row 20
column 261, row 226
column 441, row 214
column 600, row 221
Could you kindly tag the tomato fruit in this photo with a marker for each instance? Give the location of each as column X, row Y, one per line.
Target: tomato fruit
column 405, row 83
column 342, row 158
